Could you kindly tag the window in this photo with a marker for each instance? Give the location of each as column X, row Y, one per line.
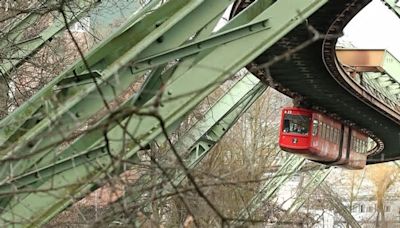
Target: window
column 357, row 145
column 335, row 135
column 296, row 124
column 330, row 136
column 328, row 132
column 320, row 130
column 352, row 143
column 323, row 130
column 361, row 146
column 362, row 208
column 315, row 127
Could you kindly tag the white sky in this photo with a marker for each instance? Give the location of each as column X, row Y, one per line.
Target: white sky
column 375, row 27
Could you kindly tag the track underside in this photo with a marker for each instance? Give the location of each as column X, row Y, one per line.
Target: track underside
column 313, row 74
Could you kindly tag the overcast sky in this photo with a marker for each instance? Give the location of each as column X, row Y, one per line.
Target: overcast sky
column 375, row 27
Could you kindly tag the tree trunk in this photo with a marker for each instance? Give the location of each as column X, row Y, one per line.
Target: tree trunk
column 383, row 220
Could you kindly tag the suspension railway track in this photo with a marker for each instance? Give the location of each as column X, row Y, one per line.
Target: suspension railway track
column 315, row 77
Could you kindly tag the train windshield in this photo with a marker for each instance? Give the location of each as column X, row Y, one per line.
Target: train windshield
column 296, row 124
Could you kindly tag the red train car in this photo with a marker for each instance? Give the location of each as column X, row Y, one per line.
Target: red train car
column 322, row 139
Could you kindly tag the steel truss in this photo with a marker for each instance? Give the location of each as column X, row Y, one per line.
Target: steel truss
column 180, row 71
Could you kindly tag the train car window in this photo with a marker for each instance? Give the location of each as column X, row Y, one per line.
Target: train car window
column 352, row 143
column 335, row 138
column 327, row 132
column 362, row 147
column 296, row 124
column 334, row 135
column 315, row 127
column 330, row 134
column 324, row 131
column 320, row 130
column 356, row 144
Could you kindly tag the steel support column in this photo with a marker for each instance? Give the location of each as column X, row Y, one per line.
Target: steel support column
column 187, row 90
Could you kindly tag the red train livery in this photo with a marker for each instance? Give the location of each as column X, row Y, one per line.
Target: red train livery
column 322, row 139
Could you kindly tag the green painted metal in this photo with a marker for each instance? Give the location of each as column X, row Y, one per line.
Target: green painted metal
column 149, row 89
column 207, row 132
column 394, row 5
column 89, row 100
column 13, row 31
column 195, row 144
column 336, row 202
column 202, row 77
column 13, row 122
column 22, row 49
column 96, row 138
column 316, row 178
column 289, row 167
column 201, row 45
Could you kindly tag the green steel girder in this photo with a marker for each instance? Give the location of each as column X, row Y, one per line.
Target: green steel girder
column 290, row 166
column 89, row 100
column 225, row 34
column 316, row 178
column 85, row 143
column 14, row 30
column 207, row 132
column 201, row 45
column 335, row 201
column 13, row 122
column 195, row 144
column 202, row 77
column 216, row 6
column 394, row 5
column 317, row 181
column 22, row 49
column 93, row 139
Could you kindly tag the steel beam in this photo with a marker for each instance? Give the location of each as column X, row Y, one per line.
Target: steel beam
column 23, row 49
column 316, row 178
column 394, row 5
column 13, row 31
column 202, row 77
column 289, row 167
column 87, row 101
column 28, row 111
column 335, row 201
column 195, row 144
column 317, row 181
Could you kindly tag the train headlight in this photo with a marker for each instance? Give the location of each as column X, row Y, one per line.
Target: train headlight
column 294, row 140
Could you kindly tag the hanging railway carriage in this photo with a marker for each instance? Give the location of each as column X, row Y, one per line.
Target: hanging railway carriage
column 322, row 139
